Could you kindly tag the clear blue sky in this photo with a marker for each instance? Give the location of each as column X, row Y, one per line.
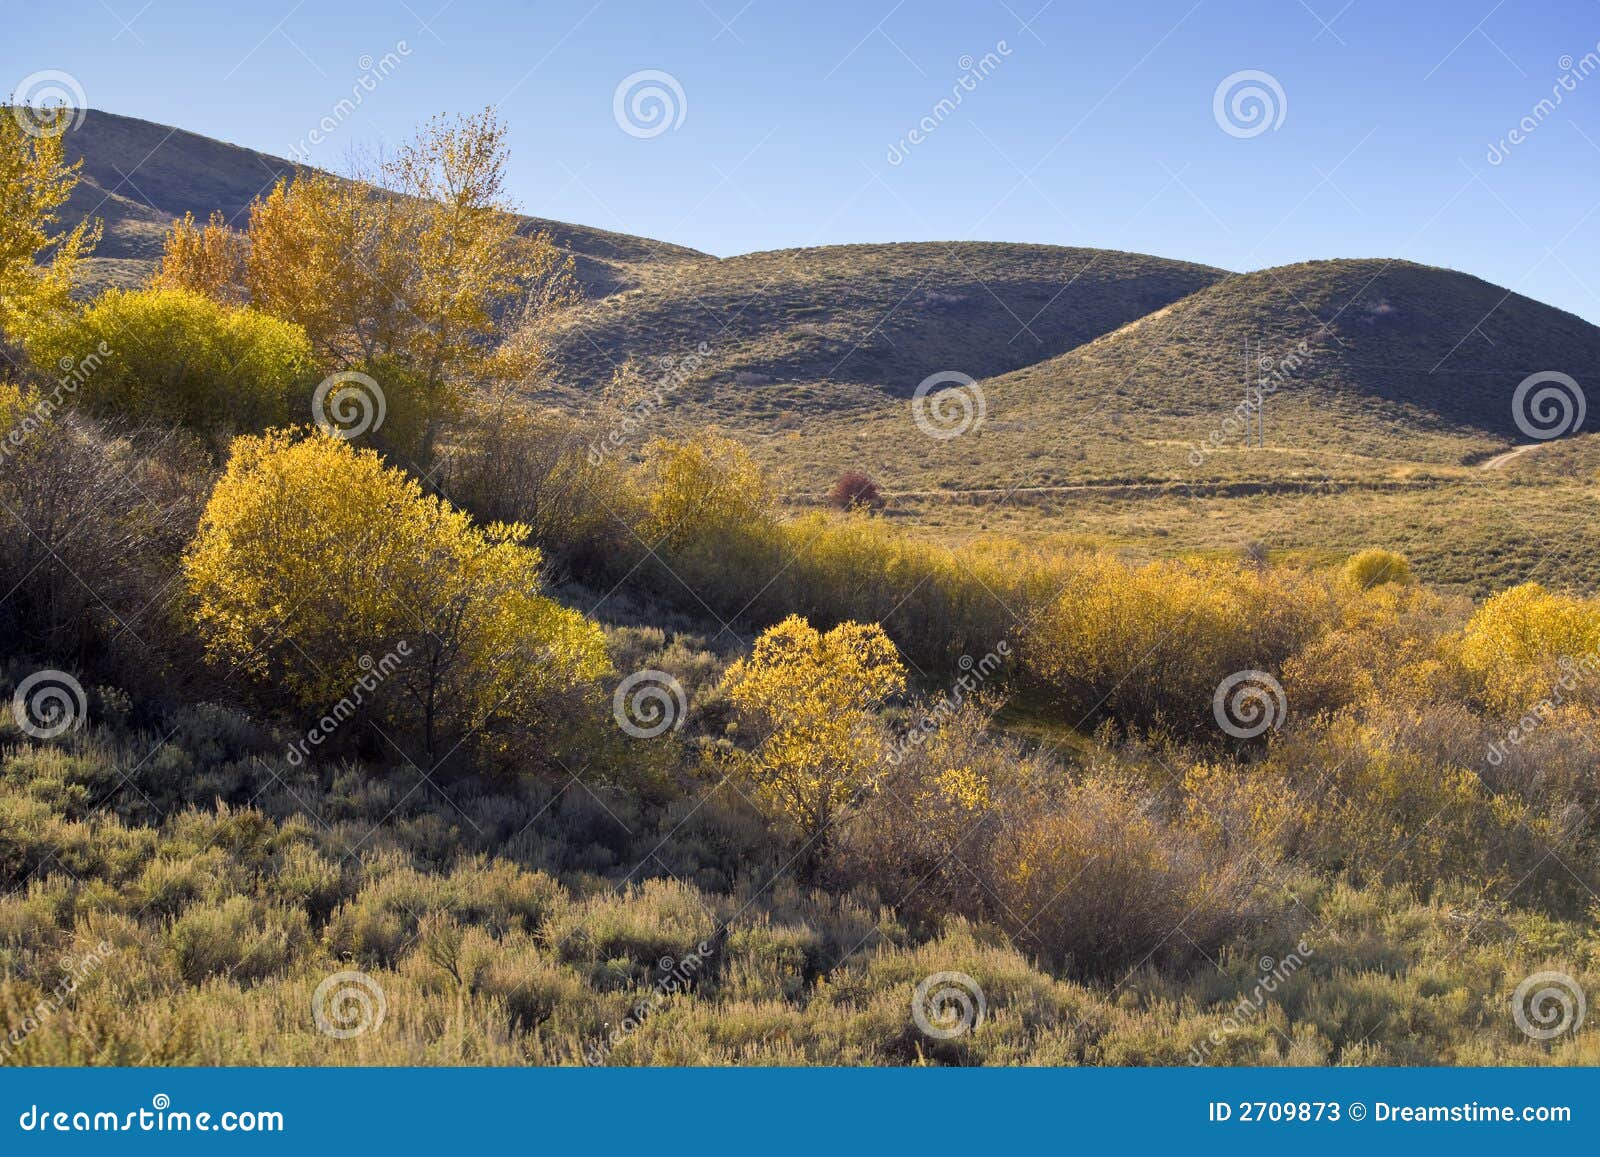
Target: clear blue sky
column 1095, row 126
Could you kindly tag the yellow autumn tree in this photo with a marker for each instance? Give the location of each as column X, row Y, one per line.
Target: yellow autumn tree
column 420, row 274
column 37, row 260
column 208, row 259
column 807, row 705
column 316, row 565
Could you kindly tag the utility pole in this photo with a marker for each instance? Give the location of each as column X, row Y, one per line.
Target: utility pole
column 1254, row 402
column 1261, row 406
column 1248, row 438
column 1254, row 432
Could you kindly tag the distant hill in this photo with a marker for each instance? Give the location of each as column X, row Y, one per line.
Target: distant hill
column 1378, row 368
column 1429, row 349
column 878, row 316
column 138, row 176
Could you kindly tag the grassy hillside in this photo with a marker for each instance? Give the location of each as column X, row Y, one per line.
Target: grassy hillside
column 1380, row 363
column 1390, row 353
column 877, row 316
column 138, row 176
column 1392, row 393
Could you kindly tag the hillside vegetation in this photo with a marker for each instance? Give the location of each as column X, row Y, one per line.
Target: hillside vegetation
column 1096, row 366
column 879, row 316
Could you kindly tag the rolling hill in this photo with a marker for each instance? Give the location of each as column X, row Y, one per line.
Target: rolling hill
column 882, row 317
column 1418, row 349
column 1371, row 365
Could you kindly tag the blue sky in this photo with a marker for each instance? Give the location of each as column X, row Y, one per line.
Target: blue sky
column 1093, row 124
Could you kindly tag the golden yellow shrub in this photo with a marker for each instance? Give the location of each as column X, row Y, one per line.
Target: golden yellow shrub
column 807, row 700
column 1527, row 644
column 175, row 356
column 1370, row 568
column 701, row 488
column 315, row 564
column 1149, row 644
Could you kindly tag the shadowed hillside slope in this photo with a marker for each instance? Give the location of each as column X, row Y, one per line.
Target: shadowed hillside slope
column 879, row 316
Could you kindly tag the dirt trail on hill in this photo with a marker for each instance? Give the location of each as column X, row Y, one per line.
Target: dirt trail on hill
column 1500, row 460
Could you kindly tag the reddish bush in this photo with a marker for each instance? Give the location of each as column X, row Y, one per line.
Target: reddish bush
column 855, row 488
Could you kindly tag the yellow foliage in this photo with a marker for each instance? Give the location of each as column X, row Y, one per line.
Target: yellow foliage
column 412, row 271
column 37, row 262
column 1375, row 796
column 1150, row 643
column 1383, row 646
column 178, row 356
column 206, row 259
column 314, row 561
column 702, row 488
column 810, row 698
column 1527, row 644
column 960, row 788
column 1372, row 568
